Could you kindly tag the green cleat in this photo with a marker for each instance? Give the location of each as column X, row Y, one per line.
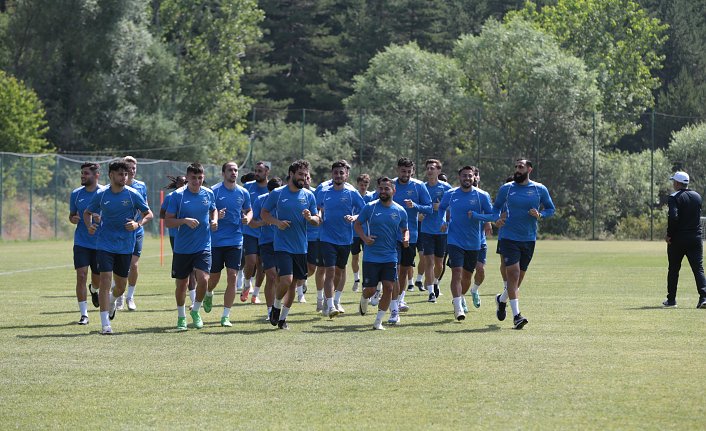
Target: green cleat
column 196, row 317
column 476, row 299
column 464, row 305
column 181, row 324
column 225, row 321
column 207, row 303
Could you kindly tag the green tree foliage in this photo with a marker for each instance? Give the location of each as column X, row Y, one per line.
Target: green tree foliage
column 22, row 123
column 686, row 152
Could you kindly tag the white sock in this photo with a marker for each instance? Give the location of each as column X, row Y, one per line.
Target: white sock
column 410, row 282
column 320, row 295
column 246, row 283
column 356, row 276
column 209, row 293
column 300, row 291
column 239, row 280
column 505, row 284
column 503, row 296
column 83, row 308
column 192, row 295
column 515, row 305
column 430, row 288
column 197, row 306
column 402, row 294
column 380, row 316
column 181, row 310
column 105, row 320
column 436, row 281
column 112, row 284
column 283, row 314
column 379, row 286
column 226, row 312
column 256, row 291
column 393, row 305
column 329, row 302
column 278, row 303
column 474, row 288
column 337, row 297
column 457, row 303
column 420, row 277
column 111, row 299
column 130, row 291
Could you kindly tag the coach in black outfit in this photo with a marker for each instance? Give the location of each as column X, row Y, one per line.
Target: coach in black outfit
column 684, row 238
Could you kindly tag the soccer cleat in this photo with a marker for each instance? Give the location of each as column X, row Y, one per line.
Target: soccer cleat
column 363, row 305
column 476, row 299
column 403, row 307
column 394, row 317
column 319, row 305
column 339, row 308
column 432, row 297
column 459, row 314
column 111, row 315
column 225, row 322
column 378, row 326
column 274, row 316
column 244, row 295
column 500, row 308
column 106, row 330
column 301, row 299
column 304, row 288
column 207, row 303
column 410, row 287
column 191, row 307
column 120, row 303
column 519, row 322
column 255, row 299
column 419, row 285
column 355, row 285
column 668, row 304
column 131, row 304
column 375, row 300
column 332, row 312
column 282, row 324
column 437, row 292
column 701, row 303
column 181, row 324
column 464, row 305
column 83, row 320
column 94, row 295
column 196, row 317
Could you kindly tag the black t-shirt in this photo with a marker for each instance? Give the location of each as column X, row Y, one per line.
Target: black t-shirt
column 684, row 214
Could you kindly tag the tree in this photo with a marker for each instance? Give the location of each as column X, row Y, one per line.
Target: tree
column 22, row 123
column 686, row 152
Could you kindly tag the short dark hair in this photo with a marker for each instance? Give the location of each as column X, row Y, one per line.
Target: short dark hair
column 174, row 181
column 406, row 162
column 195, row 168
column 273, row 183
column 263, row 164
column 435, row 161
column 250, row 176
column 467, row 168
column 223, row 168
column 117, row 166
column 341, row 164
column 298, row 164
column 386, row 180
column 362, row 177
column 527, row 161
column 93, row 167
column 443, row 177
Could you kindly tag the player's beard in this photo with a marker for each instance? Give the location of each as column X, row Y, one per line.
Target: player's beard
column 299, row 184
column 520, row 178
column 385, row 198
column 466, row 185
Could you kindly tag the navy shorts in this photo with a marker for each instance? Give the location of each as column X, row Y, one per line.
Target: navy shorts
column 85, row 257
column 374, row 272
column 291, row 264
column 497, row 247
column 230, row 257
column 517, row 251
column 406, row 256
column 483, row 253
column 459, row 257
column 138, row 244
column 250, row 245
column 357, row 246
column 420, row 245
column 333, row 254
column 267, row 255
column 433, row 244
column 184, row 264
column 118, row 264
column 312, row 253
column 171, row 242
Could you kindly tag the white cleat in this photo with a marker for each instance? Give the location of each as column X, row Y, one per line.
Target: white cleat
column 119, row 303
column 355, row 285
column 131, row 304
column 363, row 306
column 375, row 300
column 459, row 314
column 106, row 330
column 301, row 299
column 339, row 308
column 403, row 307
column 394, row 318
column 378, row 326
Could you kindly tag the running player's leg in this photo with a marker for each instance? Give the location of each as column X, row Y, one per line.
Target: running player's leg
column 134, row 273
column 339, row 277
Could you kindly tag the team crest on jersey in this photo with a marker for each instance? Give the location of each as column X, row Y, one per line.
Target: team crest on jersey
column 410, row 192
column 205, row 201
column 126, row 202
column 394, row 216
column 473, row 201
column 302, row 201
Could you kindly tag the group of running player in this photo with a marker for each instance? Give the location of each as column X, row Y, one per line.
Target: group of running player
column 282, row 232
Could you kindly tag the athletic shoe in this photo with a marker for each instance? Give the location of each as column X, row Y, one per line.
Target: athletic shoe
column 255, row 299
column 459, row 314
column 319, row 305
column 500, row 308
column 181, row 324
column 207, row 303
column 437, row 292
column 363, row 305
column 304, row 288
column 464, row 306
column 301, row 299
column 403, row 307
column 378, row 326
column 701, row 303
column 332, row 312
column 394, row 317
column 355, row 285
column 668, row 304
column 119, row 302
column 519, row 321
column 83, row 320
column 420, row 286
column 410, row 287
column 225, row 321
column 131, row 304
column 375, row 300
column 476, row 299
column 274, row 316
column 106, row 330
column 191, row 307
column 196, row 317
column 244, row 295
column 111, row 316
column 94, row 295
column 282, row 324
column 432, row 297
column 339, row 308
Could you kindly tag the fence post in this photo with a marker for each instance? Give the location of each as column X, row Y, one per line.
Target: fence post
column 417, row 146
column 652, row 174
column 31, row 186
column 303, row 122
column 593, row 222
column 56, row 199
column 360, row 135
column 479, row 115
column 2, row 182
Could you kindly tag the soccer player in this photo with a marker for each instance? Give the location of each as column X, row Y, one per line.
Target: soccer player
column 117, row 205
column 527, row 203
column 84, row 243
column 295, row 207
column 253, row 264
column 234, row 212
column 338, row 204
column 479, row 276
column 363, row 183
column 432, row 237
column 464, row 234
column 386, row 221
column 193, row 211
column 684, row 238
column 312, row 260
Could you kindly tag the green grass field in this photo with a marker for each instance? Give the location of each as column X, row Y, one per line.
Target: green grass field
column 599, row 353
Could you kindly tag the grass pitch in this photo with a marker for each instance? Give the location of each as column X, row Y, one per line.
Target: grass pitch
column 599, row 353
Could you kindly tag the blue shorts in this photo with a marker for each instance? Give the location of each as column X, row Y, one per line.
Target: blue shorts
column 374, row 272
column 85, row 257
column 405, row 256
column 267, row 255
column 184, row 264
column 118, row 264
column 138, row 244
column 333, row 254
column 433, row 244
column 517, row 251
column 291, row 264
column 230, row 257
column 250, row 245
column 483, row 254
column 312, row 253
column 357, row 246
column 459, row 257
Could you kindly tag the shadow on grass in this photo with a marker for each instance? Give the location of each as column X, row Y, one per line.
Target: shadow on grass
column 650, row 307
column 342, row 328
column 58, row 325
column 489, row 328
column 73, row 296
column 151, row 330
column 139, row 310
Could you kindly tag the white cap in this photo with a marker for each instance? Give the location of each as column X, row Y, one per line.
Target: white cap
column 680, row 177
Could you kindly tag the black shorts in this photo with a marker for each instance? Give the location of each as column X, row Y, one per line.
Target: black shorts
column 267, row 255
column 459, row 257
column 118, row 264
column 357, row 246
column 137, row 251
column 374, row 272
column 184, row 264
column 433, row 244
column 171, row 242
column 312, row 253
column 406, row 255
column 230, row 257
column 84, row 256
column 291, row 264
column 333, row 254
column 250, row 245
column 517, row 251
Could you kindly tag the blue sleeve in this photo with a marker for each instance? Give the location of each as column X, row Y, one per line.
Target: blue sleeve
column 140, row 203
column 424, row 206
column 173, row 207
column 95, row 204
column 445, row 201
column 546, row 200
column 271, row 201
column 358, row 202
column 212, row 197
column 365, row 214
column 256, row 209
column 486, row 206
column 312, row 205
column 165, row 203
column 72, row 203
column 403, row 219
column 493, row 212
column 246, row 201
column 501, row 197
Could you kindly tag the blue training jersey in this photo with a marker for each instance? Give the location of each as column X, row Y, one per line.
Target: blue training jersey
column 289, row 206
column 186, row 204
column 255, row 190
column 116, row 209
column 367, row 199
column 312, row 232
column 418, row 193
column 336, row 204
column 463, row 231
column 78, row 202
column 432, row 222
column 385, row 224
column 165, row 205
column 267, row 232
column 141, row 187
column 230, row 227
